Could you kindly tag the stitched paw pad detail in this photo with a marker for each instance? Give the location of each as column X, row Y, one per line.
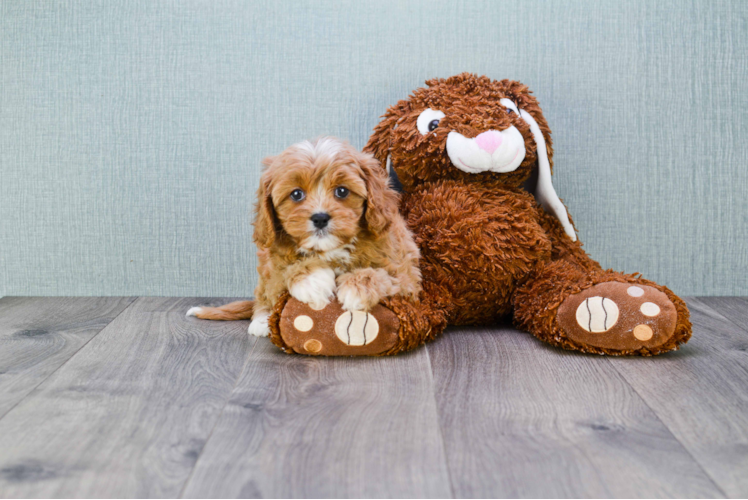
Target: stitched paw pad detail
column 356, row 328
column 597, row 314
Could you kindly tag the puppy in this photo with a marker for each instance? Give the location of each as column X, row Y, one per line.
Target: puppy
column 326, row 222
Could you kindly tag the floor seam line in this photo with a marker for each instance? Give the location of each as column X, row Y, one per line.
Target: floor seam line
column 742, row 328
column 68, row 360
column 218, row 419
column 657, row 415
column 439, row 423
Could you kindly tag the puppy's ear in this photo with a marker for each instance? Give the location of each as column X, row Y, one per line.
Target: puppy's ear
column 382, row 202
column 267, row 225
column 381, row 140
column 267, row 161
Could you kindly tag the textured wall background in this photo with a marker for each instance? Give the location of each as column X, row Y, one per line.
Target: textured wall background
column 131, row 132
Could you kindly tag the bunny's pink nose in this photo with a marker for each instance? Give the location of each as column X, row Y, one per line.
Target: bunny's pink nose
column 489, row 141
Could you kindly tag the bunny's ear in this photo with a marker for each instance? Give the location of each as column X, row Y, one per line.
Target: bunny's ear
column 380, row 141
column 544, row 192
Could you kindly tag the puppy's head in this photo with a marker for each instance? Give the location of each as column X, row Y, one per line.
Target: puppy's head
column 321, row 195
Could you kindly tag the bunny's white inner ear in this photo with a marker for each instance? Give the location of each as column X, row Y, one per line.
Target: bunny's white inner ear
column 544, row 192
column 388, row 164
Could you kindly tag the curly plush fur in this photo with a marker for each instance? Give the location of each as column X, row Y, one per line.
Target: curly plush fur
column 489, row 250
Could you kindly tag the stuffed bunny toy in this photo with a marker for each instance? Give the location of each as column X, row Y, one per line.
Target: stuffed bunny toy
column 474, row 157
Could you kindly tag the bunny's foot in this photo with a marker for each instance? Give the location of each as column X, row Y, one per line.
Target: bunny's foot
column 619, row 316
column 394, row 325
column 333, row 331
column 601, row 312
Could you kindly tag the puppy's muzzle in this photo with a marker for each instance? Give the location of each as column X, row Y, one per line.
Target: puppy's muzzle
column 320, row 220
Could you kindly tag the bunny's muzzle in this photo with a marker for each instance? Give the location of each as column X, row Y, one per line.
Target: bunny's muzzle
column 492, row 151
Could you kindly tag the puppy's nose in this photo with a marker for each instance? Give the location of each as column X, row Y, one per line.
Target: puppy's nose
column 489, row 141
column 320, row 220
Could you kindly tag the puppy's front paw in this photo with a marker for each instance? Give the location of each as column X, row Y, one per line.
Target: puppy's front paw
column 363, row 289
column 259, row 325
column 315, row 289
column 353, row 298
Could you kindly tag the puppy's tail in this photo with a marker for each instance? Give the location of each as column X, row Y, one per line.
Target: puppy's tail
column 241, row 309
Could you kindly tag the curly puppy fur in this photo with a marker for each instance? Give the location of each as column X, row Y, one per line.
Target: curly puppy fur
column 488, row 248
column 360, row 250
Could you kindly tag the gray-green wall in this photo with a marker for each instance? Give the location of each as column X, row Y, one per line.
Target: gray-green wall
column 131, row 132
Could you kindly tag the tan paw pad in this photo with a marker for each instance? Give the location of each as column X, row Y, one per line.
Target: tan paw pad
column 643, row 332
column 313, row 345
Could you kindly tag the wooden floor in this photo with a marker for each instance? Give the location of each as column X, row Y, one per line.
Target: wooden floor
column 126, row 397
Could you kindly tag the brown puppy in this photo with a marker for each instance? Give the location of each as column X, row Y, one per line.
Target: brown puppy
column 326, row 222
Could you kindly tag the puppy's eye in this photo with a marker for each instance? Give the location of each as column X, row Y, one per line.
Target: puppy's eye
column 341, row 192
column 428, row 120
column 297, row 195
column 510, row 106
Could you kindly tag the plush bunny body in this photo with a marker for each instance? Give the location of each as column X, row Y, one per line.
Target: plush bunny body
column 478, row 243
column 474, row 157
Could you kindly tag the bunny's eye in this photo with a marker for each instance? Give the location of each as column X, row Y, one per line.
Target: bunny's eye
column 510, row 106
column 428, row 120
column 297, row 195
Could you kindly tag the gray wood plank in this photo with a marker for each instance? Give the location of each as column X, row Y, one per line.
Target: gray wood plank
column 733, row 308
column 523, row 419
column 39, row 334
column 128, row 415
column 326, row 427
column 701, row 394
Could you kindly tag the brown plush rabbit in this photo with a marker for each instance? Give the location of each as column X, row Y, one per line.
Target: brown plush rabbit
column 474, row 158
